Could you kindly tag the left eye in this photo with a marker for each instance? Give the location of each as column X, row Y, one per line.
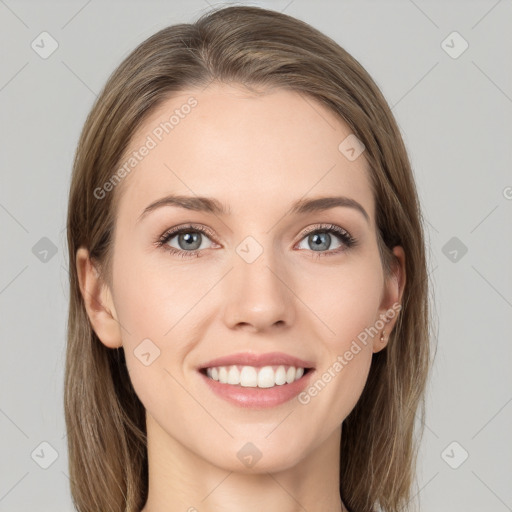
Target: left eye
column 320, row 240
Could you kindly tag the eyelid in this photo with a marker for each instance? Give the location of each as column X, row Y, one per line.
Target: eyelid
column 177, row 229
column 323, row 226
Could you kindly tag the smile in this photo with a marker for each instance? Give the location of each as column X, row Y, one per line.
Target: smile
column 251, row 376
column 258, row 387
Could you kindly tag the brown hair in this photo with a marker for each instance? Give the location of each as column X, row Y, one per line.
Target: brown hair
column 256, row 47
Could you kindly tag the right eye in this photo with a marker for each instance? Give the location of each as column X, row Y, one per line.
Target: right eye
column 189, row 239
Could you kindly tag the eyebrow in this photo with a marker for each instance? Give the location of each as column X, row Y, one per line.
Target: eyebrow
column 211, row 205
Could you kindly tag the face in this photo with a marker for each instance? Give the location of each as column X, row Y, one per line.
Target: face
column 259, row 277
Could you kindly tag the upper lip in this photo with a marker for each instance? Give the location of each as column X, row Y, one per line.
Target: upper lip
column 251, row 359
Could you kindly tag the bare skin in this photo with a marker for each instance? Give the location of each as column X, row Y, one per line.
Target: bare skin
column 257, row 154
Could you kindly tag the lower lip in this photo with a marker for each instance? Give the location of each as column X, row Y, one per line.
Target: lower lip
column 258, row 398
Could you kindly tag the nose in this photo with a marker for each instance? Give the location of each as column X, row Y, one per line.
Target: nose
column 259, row 295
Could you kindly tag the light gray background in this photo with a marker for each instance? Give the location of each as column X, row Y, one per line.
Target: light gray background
column 454, row 114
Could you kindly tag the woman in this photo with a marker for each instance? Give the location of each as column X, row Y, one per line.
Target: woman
column 249, row 323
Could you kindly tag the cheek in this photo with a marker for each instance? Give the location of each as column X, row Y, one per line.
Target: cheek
column 346, row 353
column 152, row 307
column 159, row 307
column 346, row 298
column 151, row 299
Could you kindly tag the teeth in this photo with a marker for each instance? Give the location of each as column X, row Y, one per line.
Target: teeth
column 248, row 377
column 233, row 376
column 280, row 376
column 252, row 377
column 223, row 375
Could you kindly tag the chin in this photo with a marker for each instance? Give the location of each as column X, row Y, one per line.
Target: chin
column 259, row 455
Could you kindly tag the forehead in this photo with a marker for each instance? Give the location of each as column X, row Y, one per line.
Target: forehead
column 252, row 151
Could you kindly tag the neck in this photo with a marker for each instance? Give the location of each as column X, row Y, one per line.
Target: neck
column 180, row 480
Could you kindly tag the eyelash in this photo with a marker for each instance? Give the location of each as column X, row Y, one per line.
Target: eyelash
column 347, row 239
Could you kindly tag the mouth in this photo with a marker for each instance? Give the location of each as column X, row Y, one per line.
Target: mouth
column 256, row 387
column 257, row 381
column 263, row 377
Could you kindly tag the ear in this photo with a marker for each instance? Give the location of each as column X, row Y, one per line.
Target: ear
column 98, row 301
column 391, row 300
